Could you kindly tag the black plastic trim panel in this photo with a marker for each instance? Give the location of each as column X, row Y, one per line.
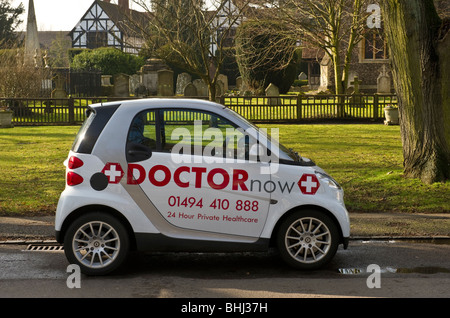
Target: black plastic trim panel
column 162, row 243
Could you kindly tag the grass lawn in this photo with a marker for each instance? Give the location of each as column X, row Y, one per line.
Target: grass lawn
column 365, row 159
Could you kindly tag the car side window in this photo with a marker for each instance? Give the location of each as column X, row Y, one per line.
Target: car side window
column 188, row 132
column 143, row 130
column 198, row 132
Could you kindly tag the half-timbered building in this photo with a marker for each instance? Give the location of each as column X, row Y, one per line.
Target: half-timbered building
column 109, row 25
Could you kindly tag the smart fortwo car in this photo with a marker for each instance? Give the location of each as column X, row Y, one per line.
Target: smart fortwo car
column 190, row 175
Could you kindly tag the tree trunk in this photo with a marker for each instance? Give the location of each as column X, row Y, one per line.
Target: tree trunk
column 419, row 51
column 340, row 100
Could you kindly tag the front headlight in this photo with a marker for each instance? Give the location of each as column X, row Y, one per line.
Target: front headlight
column 328, row 180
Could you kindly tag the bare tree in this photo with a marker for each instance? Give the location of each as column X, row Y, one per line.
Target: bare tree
column 335, row 26
column 267, row 52
column 187, row 34
column 17, row 78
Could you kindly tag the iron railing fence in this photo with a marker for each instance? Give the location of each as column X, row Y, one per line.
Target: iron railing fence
column 257, row 109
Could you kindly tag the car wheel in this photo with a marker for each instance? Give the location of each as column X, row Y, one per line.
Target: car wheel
column 307, row 239
column 97, row 242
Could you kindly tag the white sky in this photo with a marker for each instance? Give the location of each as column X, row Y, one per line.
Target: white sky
column 56, row 15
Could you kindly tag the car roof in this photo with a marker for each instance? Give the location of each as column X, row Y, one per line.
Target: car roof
column 163, row 103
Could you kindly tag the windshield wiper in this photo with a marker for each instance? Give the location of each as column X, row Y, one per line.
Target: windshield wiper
column 295, row 154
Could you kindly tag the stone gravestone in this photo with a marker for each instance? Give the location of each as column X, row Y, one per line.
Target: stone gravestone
column 224, row 79
column 59, row 91
column 356, row 99
column 271, row 91
column 149, row 75
column 190, row 90
column 220, row 88
column 182, row 80
column 121, row 85
column 106, row 80
column 202, row 88
column 384, row 82
column 302, row 76
column 107, row 87
column 239, row 83
column 165, row 83
column 134, row 83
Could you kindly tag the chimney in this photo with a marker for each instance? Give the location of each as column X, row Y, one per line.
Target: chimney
column 124, row 4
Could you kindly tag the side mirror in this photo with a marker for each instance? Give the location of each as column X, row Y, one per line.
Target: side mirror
column 137, row 152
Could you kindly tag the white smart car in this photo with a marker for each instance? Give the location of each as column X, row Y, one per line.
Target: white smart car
column 191, row 175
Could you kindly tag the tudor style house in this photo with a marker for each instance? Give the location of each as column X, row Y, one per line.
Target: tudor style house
column 107, row 25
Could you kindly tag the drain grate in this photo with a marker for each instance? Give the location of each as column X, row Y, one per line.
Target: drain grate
column 45, row 247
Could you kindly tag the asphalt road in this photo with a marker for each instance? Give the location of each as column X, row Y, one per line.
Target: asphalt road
column 406, row 270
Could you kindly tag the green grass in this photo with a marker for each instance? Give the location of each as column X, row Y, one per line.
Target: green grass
column 31, row 168
column 365, row 159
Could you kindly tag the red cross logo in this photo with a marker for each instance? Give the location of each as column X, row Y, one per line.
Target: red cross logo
column 114, row 172
column 309, row 184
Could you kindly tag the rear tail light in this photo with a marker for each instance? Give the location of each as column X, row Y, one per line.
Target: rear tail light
column 74, row 178
column 74, row 163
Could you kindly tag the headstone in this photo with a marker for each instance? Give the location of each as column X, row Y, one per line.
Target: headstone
column 121, row 85
column 59, row 91
column 202, row 88
column 356, row 100
column 106, row 80
column 224, row 79
column 140, row 90
column 220, row 90
column 271, row 91
column 165, row 83
column 182, row 80
column 302, row 76
column 384, row 82
column 134, row 83
column 356, row 83
column 239, row 83
column 149, row 75
column 190, row 90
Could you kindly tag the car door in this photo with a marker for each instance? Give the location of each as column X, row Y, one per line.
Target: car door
column 199, row 175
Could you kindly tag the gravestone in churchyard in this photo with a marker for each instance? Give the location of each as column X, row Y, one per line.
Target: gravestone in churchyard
column 165, row 83
column 224, row 80
column 59, row 91
column 182, row 80
column 190, row 90
column 106, row 80
column 271, row 91
column 302, row 76
column 384, row 82
column 134, row 83
column 149, row 74
column 121, row 85
column 202, row 88
column 356, row 100
column 239, row 83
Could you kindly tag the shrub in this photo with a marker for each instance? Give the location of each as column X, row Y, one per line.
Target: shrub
column 109, row 61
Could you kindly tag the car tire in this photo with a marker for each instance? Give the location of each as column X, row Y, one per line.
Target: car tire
column 97, row 242
column 307, row 239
